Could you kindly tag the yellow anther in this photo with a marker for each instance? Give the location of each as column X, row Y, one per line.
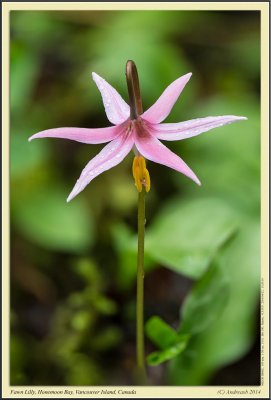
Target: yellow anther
column 141, row 174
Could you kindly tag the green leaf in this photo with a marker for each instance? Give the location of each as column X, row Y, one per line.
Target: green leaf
column 45, row 218
column 160, row 333
column 203, row 306
column 233, row 333
column 186, row 234
column 159, row 357
column 166, row 338
column 206, row 302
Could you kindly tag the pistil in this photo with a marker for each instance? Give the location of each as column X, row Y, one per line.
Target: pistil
column 133, row 90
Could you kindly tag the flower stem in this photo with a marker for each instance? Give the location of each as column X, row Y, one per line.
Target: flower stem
column 140, row 288
column 133, row 90
column 142, row 181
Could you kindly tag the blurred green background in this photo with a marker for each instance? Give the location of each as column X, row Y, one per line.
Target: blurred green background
column 73, row 265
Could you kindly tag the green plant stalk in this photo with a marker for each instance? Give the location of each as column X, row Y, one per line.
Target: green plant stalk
column 140, row 286
column 135, row 110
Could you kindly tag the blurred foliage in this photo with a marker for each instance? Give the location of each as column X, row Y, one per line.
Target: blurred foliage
column 59, row 228
column 231, row 335
column 172, row 241
column 73, row 266
column 171, row 343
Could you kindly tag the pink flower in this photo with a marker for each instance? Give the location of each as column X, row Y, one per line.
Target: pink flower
column 143, row 133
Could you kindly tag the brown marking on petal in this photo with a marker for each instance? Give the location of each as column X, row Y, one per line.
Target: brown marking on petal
column 128, row 128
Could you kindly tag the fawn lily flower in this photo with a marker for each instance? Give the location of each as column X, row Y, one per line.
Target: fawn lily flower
column 134, row 128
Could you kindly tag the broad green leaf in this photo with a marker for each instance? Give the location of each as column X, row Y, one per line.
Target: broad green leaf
column 160, row 333
column 186, row 234
column 206, row 302
column 231, row 335
column 159, row 357
column 45, row 218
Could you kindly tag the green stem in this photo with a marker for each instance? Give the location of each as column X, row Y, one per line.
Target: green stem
column 140, row 287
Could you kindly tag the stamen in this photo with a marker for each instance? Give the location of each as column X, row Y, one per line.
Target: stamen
column 141, row 174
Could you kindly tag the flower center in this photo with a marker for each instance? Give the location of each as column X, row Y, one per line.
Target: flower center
column 140, row 127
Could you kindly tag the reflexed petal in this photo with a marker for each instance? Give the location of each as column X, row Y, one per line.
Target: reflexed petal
column 111, row 155
column 162, row 107
column 194, row 127
column 117, row 110
column 152, row 149
column 83, row 135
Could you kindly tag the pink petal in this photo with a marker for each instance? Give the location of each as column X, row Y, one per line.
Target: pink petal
column 194, row 127
column 83, row 135
column 117, row 110
column 160, row 110
column 111, row 155
column 152, row 149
